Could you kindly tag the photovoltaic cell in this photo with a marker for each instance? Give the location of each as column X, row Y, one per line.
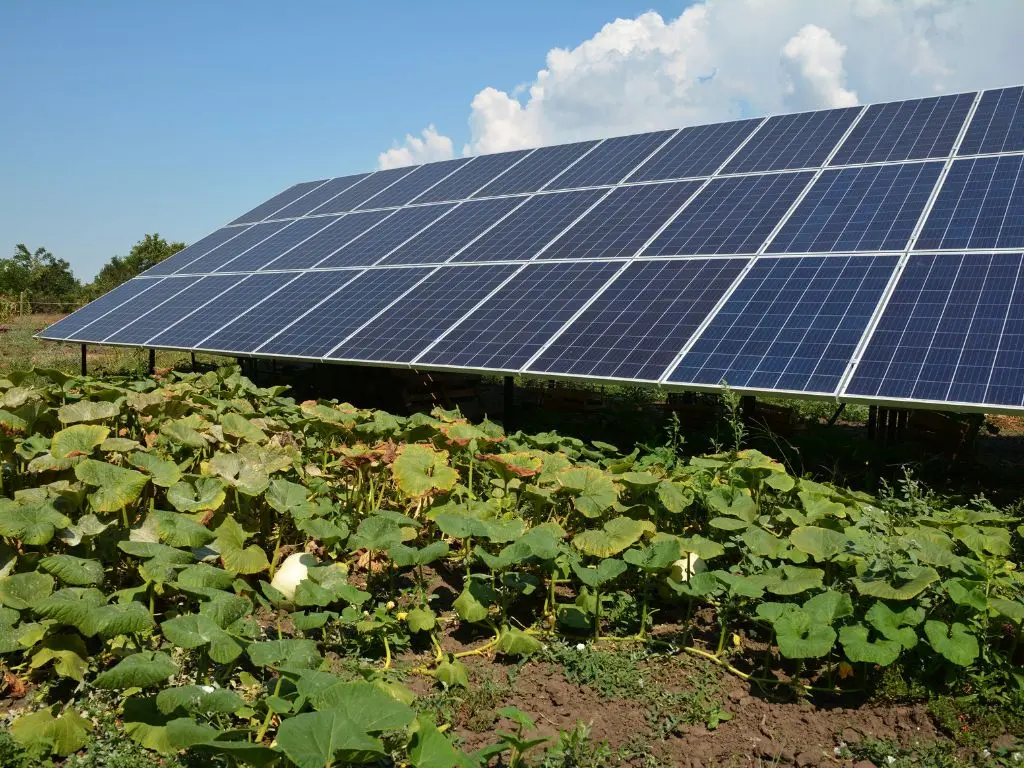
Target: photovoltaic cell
column 379, row 241
column 536, row 170
column 129, row 309
column 953, row 331
column 402, row 331
column 873, row 208
column 421, row 179
column 731, row 215
column 447, row 235
column 277, row 202
column 998, row 123
column 906, row 130
column 193, row 328
column 621, row 223
column 514, row 323
column 480, row 171
column 67, row 326
column 148, row 324
column 530, row 227
column 231, row 249
column 327, row 324
column 319, row 196
column 980, row 205
column 327, row 241
column 266, row 252
column 695, row 151
column 358, row 194
column 610, row 162
column 791, row 324
column 638, row 325
column 793, row 141
column 194, row 251
column 261, row 321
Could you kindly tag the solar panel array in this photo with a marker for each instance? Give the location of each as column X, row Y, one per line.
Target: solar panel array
column 873, row 254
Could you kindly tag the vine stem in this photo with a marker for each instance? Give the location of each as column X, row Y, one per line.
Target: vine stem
column 270, row 715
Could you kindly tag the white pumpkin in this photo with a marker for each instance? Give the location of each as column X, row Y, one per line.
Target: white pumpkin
column 683, row 569
column 294, row 569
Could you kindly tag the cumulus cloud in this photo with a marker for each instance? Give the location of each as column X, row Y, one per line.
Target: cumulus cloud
column 726, row 59
column 432, row 146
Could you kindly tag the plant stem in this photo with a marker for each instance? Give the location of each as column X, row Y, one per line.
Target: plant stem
column 262, row 732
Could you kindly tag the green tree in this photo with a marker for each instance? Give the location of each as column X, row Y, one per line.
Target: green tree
column 149, row 251
column 40, row 275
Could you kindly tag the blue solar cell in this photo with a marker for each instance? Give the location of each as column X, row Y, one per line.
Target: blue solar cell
column 530, row 227
column 536, row 169
column 319, row 196
column 793, row 141
column 421, row 179
column 695, row 151
column 980, row 205
column 621, row 223
column 359, row 193
column 640, row 322
column 265, row 253
column 467, row 180
column 998, row 123
column 77, row 320
column 194, row 251
column 325, row 242
column 792, row 324
column 378, row 242
column 401, row 332
column 129, row 309
column 156, row 320
column 872, row 208
column 257, row 323
column 953, row 331
column 231, row 249
column 449, row 234
column 906, row 130
column 514, row 323
column 277, row 202
column 731, row 215
column 611, row 161
column 327, row 324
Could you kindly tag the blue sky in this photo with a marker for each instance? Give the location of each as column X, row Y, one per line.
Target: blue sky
column 125, row 118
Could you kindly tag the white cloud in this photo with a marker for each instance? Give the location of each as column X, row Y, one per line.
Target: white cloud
column 433, row 146
column 724, row 59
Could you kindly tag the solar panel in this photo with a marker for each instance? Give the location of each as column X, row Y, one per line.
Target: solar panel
column 621, row 223
column 872, row 208
column 408, row 188
column 258, row 322
column 342, row 230
column 129, row 309
column 980, row 205
column 535, row 170
column 906, row 130
column 328, row 323
column 472, row 177
column 148, row 324
column 379, row 241
column 791, row 324
column 530, row 227
column 998, row 123
column 610, row 162
column 453, row 232
column 731, row 215
column 637, row 326
column 513, row 324
column 319, row 196
column 67, row 327
column 277, row 202
column 399, row 333
column 695, row 151
column 953, row 331
column 194, row 251
column 359, row 193
column 793, row 141
column 281, row 242
column 231, row 249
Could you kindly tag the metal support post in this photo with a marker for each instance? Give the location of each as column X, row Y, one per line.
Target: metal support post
column 85, row 369
column 872, row 421
column 510, row 403
column 838, row 413
column 152, row 362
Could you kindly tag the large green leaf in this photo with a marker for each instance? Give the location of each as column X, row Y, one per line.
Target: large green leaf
column 238, row 426
column 181, row 432
column 593, row 491
column 790, row 579
column 139, row 670
column 201, row 494
column 198, row 699
column 897, row 626
column 603, row 572
column 430, row 749
column 235, row 556
column 68, row 652
column 116, row 487
column 240, row 473
column 858, row 647
column 955, row 643
column 79, row 440
column 195, row 630
column 419, row 470
column 87, row 410
column 613, row 537
column 325, row 739
column 914, row 581
column 33, row 524
column 370, row 708
column 76, row 571
column 291, row 653
column 25, row 590
column 476, row 596
column 799, row 636
column 178, row 529
column 675, row 497
column 43, row 733
column 163, row 472
column 515, row 642
column 820, row 543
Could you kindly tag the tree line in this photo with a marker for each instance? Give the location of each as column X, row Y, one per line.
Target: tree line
column 41, row 282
